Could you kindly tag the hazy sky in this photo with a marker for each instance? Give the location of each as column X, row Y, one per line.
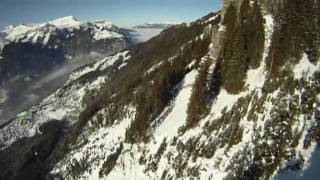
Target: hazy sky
column 124, row 13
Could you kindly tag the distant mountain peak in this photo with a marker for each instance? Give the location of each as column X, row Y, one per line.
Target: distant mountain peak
column 42, row 31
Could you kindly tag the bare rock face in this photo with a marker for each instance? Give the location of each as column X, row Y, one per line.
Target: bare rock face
column 227, row 3
column 272, row 6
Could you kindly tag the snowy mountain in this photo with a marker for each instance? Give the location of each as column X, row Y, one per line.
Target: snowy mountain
column 41, row 33
column 36, row 59
column 234, row 95
column 55, row 43
column 65, row 38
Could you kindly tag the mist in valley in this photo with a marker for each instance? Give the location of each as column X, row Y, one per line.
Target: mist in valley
column 22, row 92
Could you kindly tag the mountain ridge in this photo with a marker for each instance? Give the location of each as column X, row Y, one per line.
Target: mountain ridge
column 34, row 32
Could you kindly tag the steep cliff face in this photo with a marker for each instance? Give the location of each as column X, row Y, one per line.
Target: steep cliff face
column 234, row 95
column 270, row 6
column 226, row 4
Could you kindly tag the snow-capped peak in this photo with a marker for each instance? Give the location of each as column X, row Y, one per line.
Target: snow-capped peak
column 66, row 22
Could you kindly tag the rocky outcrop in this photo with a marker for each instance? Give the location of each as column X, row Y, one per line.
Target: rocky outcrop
column 270, row 6
column 226, row 4
column 273, row 6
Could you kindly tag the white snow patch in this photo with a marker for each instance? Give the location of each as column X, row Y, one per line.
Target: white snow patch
column 122, row 65
column 66, row 22
column 154, row 67
column 178, row 114
column 36, row 37
column 305, row 69
column 57, row 115
column 256, row 77
column 100, row 80
column 222, row 28
column 106, row 34
column 213, row 18
column 225, row 100
column 112, row 59
column 128, row 166
column 46, row 39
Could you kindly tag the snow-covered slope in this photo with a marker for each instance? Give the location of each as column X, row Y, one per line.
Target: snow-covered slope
column 64, row 104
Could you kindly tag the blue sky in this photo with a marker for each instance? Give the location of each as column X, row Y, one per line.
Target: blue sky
column 124, row 13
